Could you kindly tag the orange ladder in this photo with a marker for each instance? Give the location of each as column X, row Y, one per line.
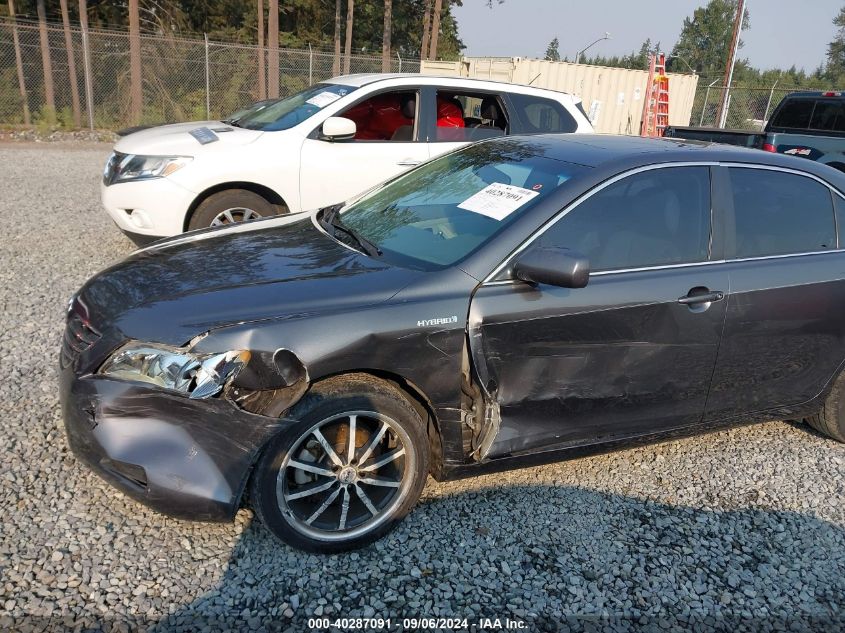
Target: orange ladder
column 656, row 103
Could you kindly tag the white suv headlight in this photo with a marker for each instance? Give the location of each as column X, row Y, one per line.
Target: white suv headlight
column 126, row 167
column 197, row 375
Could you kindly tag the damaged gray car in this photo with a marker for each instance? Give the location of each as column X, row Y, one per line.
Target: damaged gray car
column 519, row 301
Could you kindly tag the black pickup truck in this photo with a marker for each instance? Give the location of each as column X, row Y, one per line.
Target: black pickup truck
column 806, row 124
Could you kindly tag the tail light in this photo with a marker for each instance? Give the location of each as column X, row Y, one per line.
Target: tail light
column 768, row 147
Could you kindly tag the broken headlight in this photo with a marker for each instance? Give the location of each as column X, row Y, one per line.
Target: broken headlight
column 196, row 375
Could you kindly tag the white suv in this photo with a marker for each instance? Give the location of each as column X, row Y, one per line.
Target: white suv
column 318, row 147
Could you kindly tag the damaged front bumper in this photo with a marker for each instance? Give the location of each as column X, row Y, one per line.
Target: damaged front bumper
column 185, row 458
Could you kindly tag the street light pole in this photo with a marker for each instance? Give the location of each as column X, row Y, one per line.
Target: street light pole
column 584, row 50
column 686, row 63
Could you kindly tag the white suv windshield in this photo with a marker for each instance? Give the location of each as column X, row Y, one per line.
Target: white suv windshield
column 294, row 109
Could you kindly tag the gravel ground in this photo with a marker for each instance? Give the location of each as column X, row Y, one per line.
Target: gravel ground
column 738, row 530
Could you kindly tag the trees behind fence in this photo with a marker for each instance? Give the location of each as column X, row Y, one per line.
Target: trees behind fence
column 186, row 79
column 181, row 79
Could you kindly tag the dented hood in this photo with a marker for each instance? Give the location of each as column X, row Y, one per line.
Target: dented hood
column 176, row 139
column 269, row 269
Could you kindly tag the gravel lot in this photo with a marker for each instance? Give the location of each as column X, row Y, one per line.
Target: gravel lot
column 739, row 530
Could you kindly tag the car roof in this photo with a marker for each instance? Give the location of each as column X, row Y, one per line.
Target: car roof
column 815, row 93
column 363, row 79
column 597, row 150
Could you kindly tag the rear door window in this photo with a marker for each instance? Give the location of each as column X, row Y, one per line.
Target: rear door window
column 794, row 113
column 829, row 116
column 541, row 116
column 778, row 213
column 466, row 116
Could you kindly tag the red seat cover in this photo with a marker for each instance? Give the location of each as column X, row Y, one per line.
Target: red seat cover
column 450, row 117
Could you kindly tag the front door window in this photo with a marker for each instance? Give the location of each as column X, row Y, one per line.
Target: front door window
column 388, row 116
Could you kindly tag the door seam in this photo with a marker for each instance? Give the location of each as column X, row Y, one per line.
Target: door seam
column 728, row 297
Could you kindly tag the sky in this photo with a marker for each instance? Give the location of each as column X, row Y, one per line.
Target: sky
column 783, row 32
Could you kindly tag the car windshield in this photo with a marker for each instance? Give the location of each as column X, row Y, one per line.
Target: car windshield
column 295, row 109
column 441, row 212
column 250, row 109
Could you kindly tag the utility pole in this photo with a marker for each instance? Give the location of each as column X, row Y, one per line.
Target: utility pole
column 729, row 68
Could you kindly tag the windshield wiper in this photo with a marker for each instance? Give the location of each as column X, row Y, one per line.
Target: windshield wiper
column 331, row 222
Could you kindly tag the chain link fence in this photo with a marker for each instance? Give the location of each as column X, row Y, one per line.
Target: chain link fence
column 748, row 108
column 182, row 79
column 187, row 79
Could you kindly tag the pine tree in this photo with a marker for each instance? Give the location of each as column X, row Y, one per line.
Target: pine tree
column 836, row 50
column 552, row 51
column 706, row 36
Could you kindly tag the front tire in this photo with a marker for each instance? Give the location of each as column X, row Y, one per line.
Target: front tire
column 229, row 207
column 830, row 420
column 348, row 471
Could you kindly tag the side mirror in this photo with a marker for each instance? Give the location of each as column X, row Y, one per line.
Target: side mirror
column 338, row 128
column 553, row 266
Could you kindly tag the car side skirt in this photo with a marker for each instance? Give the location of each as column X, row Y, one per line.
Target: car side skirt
column 452, row 471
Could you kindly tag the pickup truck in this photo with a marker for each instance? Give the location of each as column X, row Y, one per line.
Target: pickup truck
column 806, row 124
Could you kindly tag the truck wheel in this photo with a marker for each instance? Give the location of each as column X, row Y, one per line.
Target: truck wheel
column 351, row 467
column 229, row 207
column 830, row 420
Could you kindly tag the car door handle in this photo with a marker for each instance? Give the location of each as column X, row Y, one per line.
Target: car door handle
column 409, row 162
column 707, row 297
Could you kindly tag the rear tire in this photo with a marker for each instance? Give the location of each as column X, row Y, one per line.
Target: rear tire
column 229, row 207
column 830, row 420
column 332, row 500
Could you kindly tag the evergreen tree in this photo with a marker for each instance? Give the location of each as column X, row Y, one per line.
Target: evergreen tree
column 301, row 22
column 552, row 51
column 835, row 70
column 706, row 36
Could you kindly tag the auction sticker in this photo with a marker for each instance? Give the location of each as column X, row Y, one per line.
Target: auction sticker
column 323, row 99
column 497, row 200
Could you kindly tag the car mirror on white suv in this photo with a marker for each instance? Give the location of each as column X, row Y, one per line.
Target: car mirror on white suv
column 338, row 128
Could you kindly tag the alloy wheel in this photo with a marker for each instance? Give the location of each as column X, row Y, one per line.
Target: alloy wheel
column 345, row 475
column 233, row 215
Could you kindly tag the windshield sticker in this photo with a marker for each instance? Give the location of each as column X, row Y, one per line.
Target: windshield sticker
column 497, row 200
column 203, row 135
column 323, row 99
